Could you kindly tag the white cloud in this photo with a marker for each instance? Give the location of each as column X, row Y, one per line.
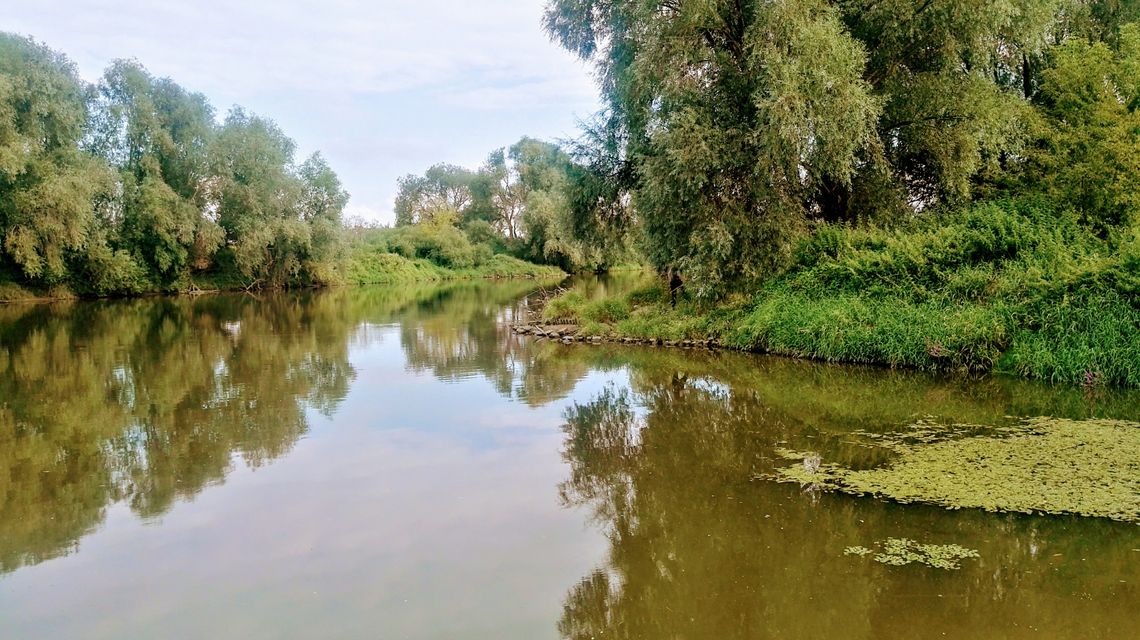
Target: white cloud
column 382, row 88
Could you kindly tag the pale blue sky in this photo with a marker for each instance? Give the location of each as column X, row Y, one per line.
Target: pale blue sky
column 382, row 88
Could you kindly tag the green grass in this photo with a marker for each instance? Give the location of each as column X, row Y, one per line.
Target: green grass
column 1015, row 287
column 11, row 292
column 364, row 265
column 373, row 267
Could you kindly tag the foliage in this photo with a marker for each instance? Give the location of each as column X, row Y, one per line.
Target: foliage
column 131, row 185
column 157, row 135
column 518, row 202
column 1086, row 151
column 1017, row 286
column 443, row 189
column 438, row 241
column 732, row 114
column 48, row 187
column 729, row 127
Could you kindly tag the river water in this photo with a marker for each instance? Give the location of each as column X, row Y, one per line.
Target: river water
column 394, row 463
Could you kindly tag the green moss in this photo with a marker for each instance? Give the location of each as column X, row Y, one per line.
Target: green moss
column 1044, row 465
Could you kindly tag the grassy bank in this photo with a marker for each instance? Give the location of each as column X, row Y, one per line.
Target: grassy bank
column 1012, row 287
column 361, row 267
column 368, row 267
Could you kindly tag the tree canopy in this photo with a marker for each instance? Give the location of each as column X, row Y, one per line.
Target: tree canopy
column 132, row 184
column 518, row 201
column 731, row 127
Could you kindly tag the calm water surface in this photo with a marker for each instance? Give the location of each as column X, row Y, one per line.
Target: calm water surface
column 393, row 463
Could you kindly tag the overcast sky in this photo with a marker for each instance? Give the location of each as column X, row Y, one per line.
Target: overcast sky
column 380, row 87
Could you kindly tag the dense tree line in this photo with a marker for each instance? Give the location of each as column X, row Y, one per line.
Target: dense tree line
column 517, row 202
column 132, row 184
column 731, row 128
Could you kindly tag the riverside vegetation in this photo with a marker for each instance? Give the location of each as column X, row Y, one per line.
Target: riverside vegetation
column 133, row 185
column 942, row 185
column 945, row 186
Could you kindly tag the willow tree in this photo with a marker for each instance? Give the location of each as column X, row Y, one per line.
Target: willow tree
column 47, row 185
column 730, row 122
column 158, row 136
column 953, row 77
column 728, row 117
column 282, row 222
column 442, row 189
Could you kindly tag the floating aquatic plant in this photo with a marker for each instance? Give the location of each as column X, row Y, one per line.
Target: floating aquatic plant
column 1043, row 465
column 899, row 552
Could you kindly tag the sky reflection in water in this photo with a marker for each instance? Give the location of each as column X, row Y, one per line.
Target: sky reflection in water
column 378, row 463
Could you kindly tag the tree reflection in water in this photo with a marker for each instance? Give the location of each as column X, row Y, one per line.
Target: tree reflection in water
column 700, row 550
column 147, row 402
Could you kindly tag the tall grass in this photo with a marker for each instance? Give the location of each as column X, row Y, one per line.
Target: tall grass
column 1011, row 286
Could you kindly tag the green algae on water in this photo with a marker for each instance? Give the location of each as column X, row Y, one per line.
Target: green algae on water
column 899, row 552
column 1044, row 465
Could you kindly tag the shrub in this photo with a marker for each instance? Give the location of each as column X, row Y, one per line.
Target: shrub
column 442, row 244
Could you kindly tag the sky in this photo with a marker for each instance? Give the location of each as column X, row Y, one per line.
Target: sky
column 382, row 88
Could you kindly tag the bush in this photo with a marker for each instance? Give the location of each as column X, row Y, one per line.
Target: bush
column 565, row 308
column 442, row 244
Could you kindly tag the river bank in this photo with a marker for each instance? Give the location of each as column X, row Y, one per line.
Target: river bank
column 361, row 269
column 1006, row 289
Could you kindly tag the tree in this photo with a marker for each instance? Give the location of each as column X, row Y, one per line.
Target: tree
column 158, row 136
column 733, row 115
column 952, row 77
column 47, row 185
column 281, row 223
column 444, row 187
column 542, row 171
column 1086, row 150
column 500, row 197
column 131, row 185
column 323, row 200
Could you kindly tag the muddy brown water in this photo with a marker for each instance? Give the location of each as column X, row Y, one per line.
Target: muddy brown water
column 395, row 463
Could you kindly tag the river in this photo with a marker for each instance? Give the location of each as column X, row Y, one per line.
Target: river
column 395, row 463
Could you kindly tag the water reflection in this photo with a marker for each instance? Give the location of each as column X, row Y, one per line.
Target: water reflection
column 698, row 550
column 146, row 404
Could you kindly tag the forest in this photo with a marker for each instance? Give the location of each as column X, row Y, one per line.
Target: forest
column 133, row 184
